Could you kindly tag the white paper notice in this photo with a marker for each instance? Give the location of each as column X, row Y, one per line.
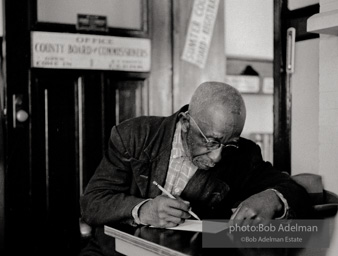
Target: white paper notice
column 197, row 226
column 83, row 51
column 200, row 30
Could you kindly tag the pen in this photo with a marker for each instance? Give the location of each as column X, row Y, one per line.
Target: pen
column 171, row 196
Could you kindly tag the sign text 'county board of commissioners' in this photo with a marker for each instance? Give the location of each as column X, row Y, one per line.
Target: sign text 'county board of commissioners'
column 82, row 51
column 200, row 31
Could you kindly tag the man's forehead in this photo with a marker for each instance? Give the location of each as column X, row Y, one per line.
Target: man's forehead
column 214, row 113
column 220, row 123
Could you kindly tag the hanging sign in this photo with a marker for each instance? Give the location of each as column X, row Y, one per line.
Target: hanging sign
column 87, row 22
column 200, row 30
column 80, row 51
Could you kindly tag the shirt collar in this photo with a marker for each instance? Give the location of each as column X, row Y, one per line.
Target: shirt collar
column 177, row 145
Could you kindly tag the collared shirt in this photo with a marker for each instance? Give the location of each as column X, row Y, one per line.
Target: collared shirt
column 181, row 169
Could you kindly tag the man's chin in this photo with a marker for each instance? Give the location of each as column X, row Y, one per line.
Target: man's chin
column 201, row 166
column 205, row 167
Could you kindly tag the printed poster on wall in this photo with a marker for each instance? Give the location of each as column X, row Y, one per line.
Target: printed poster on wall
column 80, row 51
column 200, row 30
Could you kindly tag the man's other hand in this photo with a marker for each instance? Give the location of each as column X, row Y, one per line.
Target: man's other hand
column 258, row 208
column 164, row 212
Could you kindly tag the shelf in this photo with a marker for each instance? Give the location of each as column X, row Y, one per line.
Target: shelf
column 251, row 84
column 324, row 23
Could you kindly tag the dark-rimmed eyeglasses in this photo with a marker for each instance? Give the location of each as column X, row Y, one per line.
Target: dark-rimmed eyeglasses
column 212, row 144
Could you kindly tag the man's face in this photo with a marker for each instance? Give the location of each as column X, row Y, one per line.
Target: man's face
column 206, row 139
column 199, row 152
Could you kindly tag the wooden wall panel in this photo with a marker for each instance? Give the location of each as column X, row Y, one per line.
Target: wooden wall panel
column 160, row 81
column 186, row 75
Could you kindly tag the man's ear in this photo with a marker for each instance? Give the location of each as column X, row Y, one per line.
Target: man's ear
column 184, row 119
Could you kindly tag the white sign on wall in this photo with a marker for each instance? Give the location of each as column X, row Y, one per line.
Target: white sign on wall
column 245, row 84
column 200, row 30
column 80, row 51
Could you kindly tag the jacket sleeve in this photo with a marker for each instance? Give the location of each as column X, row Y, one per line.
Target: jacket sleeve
column 107, row 196
column 260, row 175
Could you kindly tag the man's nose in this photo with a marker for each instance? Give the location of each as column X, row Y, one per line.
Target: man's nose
column 215, row 155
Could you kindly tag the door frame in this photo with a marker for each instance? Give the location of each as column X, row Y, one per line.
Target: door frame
column 283, row 19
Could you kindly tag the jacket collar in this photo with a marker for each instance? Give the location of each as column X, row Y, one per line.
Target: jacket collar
column 162, row 141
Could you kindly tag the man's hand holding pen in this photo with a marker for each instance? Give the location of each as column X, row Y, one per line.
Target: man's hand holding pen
column 164, row 212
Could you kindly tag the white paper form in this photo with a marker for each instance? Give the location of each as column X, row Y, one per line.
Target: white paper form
column 196, row 226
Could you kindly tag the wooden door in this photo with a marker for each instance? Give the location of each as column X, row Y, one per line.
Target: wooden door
column 57, row 129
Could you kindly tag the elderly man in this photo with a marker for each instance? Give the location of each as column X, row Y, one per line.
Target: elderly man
column 198, row 156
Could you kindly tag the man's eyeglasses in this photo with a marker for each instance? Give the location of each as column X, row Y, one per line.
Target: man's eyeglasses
column 212, row 144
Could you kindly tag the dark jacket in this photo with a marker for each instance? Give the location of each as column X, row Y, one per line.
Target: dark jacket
column 138, row 153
